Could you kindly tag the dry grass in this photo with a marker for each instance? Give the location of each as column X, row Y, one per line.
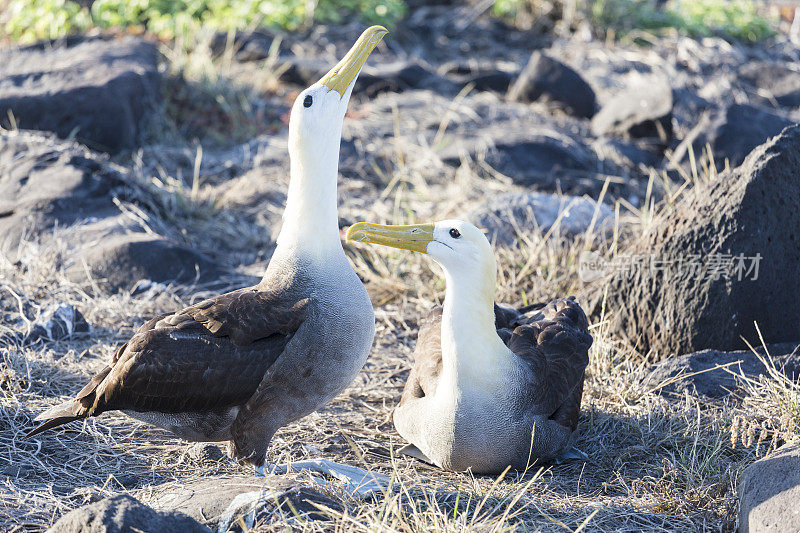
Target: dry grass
column 654, row 464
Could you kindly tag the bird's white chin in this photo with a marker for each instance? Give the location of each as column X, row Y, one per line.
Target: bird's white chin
column 441, row 253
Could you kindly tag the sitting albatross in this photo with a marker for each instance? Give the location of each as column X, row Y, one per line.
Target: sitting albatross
column 491, row 387
column 241, row 365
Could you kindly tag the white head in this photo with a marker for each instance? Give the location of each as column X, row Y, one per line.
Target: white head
column 315, row 132
column 473, row 354
column 315, row 123
column 460, row 248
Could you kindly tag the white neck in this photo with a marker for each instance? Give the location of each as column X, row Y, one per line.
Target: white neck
column 473, row 355
column 310, row 220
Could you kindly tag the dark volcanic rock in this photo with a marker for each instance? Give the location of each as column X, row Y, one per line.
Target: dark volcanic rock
column 44, row 181
column 495, row 80
column 641, row 111
column 775, row 79
column 698, row 287
column 303, row 70
column 482, row 77
column 205, row 452
column 124, row 514
column 742, row 129
column 220, row 501
column 547, row 79
column 47, row 183
column 506, row 215
column 527, row 158
column 397, row 76
column 121, row 261
column 710, row 373
column 101, row 90
column 627, row 154
column 769, row 490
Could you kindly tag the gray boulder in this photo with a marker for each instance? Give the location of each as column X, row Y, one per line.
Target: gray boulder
column 716, row 374
column 46, row 182
column 644, row 110
column 100, row 90
column 725, row 259
column 769, row 490
column 124, row 514
column 778, row 81
column 220, row 501
column 119, row 262
column 506, row 215
column 540, row 159
column 50, row 183
column 544, row 78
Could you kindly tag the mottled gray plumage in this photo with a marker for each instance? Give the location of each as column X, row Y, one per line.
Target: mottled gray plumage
column 486, row 431
column 240, row 365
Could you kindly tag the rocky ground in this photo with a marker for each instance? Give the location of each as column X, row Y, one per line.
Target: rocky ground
column 127, row 190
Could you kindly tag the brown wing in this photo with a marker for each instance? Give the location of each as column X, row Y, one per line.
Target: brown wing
column 207, row 356
column 508, row 318
column 554, row 342
column 424, row 374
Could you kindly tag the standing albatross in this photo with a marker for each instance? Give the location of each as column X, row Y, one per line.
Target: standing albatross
column 491, row 386
column 241, row 365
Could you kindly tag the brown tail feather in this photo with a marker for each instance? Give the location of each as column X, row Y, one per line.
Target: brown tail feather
column 72, row 410
column 50, row 424
column 58, row 415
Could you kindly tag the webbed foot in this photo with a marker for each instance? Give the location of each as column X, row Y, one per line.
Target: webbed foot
column 356, row 481
column 416, row 453
column 571, row 454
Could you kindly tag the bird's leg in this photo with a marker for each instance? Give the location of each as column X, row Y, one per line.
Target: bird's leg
column 357, row 482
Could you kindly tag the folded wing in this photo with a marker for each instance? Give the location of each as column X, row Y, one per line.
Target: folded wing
column 554, row 344
column 207, row 356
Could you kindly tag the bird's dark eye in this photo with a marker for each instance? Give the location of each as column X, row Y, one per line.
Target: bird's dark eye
column 308, row 101
column 454, row 233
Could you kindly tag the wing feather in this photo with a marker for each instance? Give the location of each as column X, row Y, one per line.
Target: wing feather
column 208, row 356
column 424, row 374
column 554, row 343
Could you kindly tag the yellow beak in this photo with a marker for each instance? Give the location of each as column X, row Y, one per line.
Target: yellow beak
column 340, row 76
column 414, row 237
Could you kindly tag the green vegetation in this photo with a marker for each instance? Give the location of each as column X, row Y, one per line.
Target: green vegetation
column 730, row 19
column 30, row 20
